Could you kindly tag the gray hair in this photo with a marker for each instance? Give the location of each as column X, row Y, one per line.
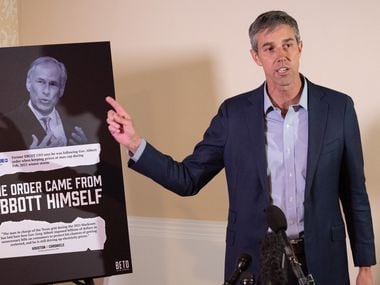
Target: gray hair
column 48, row 59
column 270, row 20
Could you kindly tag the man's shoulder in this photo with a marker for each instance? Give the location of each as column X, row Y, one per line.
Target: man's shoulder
column 21, row 114
column 326, row 93
column 252, row 96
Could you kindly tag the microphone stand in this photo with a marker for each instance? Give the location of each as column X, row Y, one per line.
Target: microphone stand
column 295, row 264
column 302, row 279
column 88, row 281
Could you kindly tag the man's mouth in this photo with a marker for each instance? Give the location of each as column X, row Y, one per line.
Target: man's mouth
column 44, row 101
column 282, row 70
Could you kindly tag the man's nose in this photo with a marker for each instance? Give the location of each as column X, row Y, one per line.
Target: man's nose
column 46, row 89
column 281, row 54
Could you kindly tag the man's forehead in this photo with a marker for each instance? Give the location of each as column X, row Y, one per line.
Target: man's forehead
column 47, row 65
column 279, row 34
column 44, row 69
column 275, row 31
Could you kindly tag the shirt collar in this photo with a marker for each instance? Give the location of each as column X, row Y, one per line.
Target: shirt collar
column 268, row 106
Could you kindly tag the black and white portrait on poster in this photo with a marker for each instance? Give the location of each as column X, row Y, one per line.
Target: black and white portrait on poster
column 61, row 185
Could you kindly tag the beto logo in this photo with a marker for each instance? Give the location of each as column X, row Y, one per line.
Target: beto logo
column 122, row 265
column 3, row 160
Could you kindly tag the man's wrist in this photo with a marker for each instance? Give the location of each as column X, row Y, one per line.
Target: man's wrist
column 134, row 145
column 364, row 268
column 139, row 151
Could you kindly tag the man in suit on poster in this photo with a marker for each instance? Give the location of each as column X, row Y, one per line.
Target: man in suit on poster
column 290, row 143
column 38, row 120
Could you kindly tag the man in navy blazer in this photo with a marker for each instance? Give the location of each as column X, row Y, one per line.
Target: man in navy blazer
column 288, row 136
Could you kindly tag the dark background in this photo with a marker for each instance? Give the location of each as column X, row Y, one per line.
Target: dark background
column 90, row 80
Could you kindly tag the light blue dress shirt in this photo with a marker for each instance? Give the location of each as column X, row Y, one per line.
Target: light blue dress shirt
column 286, row 148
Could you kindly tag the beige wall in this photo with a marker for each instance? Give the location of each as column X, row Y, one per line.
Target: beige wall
column 8, row 23
column 176, row 60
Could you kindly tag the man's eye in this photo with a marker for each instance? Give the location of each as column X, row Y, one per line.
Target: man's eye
column 268, row 49
column 288, row 45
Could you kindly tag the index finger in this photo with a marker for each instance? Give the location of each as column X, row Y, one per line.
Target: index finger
column 118, row 108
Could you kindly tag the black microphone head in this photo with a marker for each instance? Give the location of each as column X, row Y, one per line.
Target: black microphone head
column 273, row 263
column 276, row 219
column 244, row 261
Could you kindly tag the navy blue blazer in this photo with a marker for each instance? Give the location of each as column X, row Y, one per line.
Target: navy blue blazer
column 235, row 141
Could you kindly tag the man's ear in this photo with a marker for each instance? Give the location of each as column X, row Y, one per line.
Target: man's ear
column 28, row 84
column 300, row 46
column 61, row 91
column 255, row 57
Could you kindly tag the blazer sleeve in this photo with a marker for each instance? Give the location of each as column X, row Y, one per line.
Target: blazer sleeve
column 353, row 193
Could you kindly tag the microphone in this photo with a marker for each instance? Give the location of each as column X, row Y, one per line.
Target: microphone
column 242, row 265
column 273, row 267
column 247, row 279
column 277, row 222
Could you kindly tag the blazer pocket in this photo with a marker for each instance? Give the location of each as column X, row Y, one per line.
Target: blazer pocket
column 330, row 146
column 338, row 233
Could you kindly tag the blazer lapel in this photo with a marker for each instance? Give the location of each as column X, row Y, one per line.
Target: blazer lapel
column 254, row 115
column 317, row 120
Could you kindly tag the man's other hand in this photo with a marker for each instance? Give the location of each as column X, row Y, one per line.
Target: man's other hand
column 77, row 137
column 48, row 141
column 364, row 276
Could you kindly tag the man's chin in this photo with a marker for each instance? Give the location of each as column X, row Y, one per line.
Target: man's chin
column 286, row 81
column 44, row 111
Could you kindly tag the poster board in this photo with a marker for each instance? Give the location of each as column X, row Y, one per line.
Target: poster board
column 62, row 205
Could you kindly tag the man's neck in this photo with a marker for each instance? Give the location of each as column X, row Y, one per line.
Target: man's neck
column 285, row 96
